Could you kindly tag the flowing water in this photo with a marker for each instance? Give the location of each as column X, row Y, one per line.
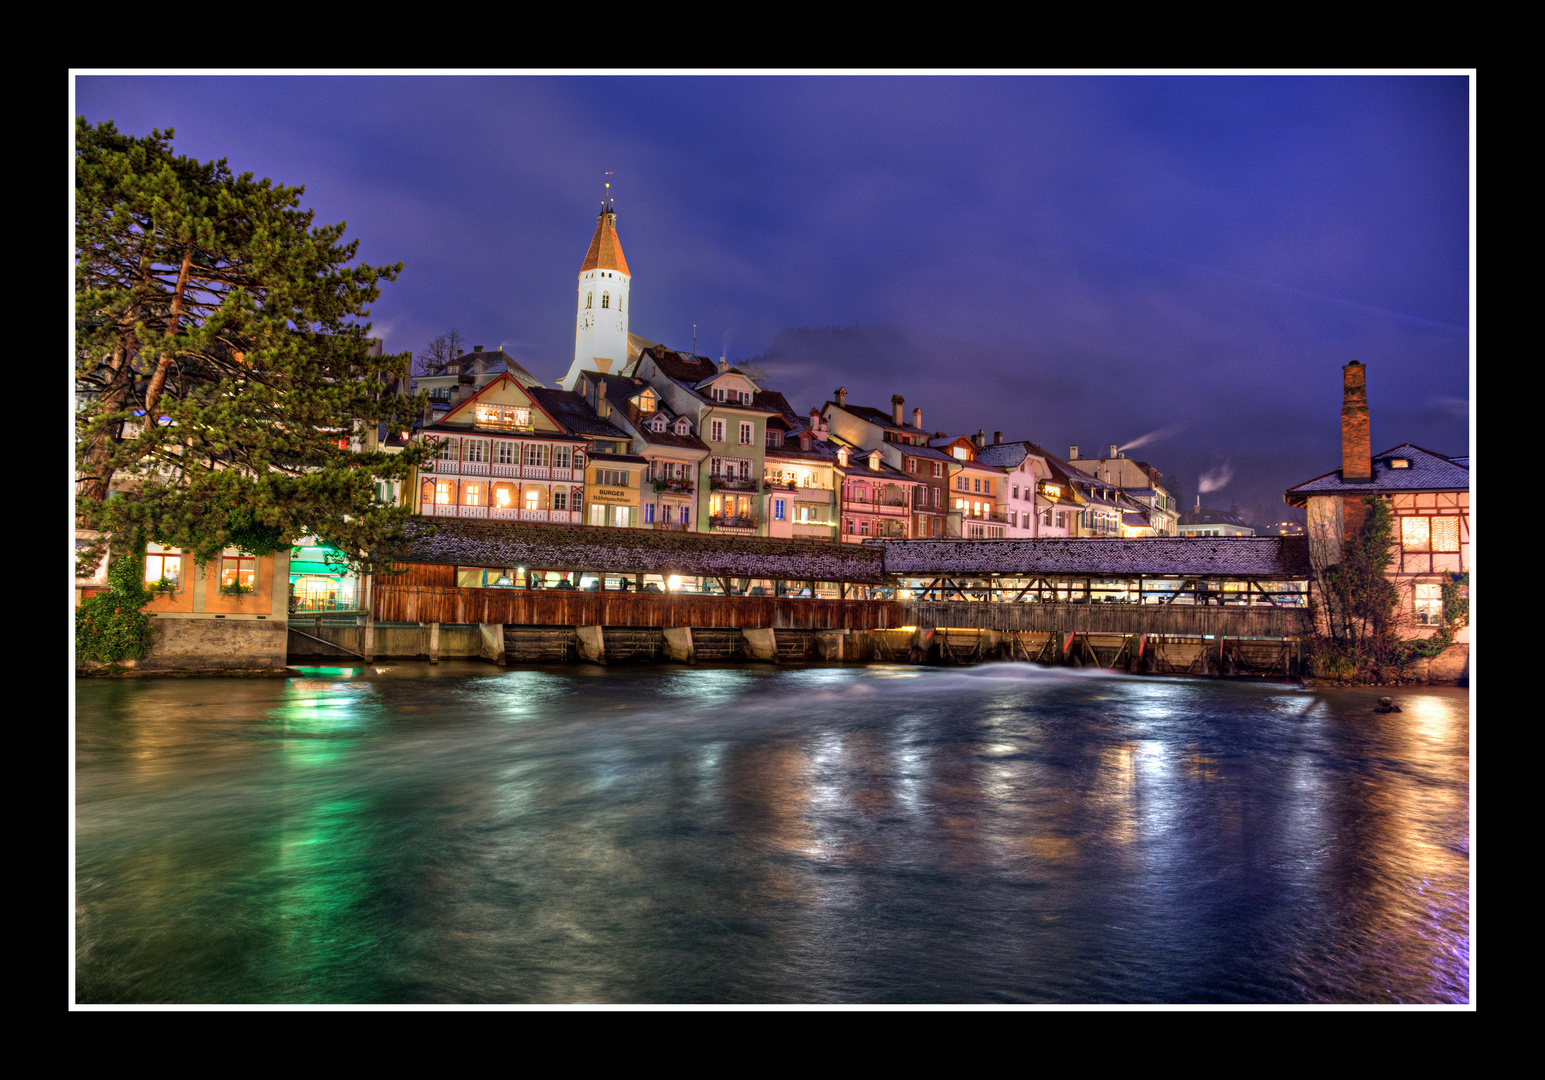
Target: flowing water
column 463, row 833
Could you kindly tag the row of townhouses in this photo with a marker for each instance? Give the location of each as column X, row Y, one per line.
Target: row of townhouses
column 638, row 435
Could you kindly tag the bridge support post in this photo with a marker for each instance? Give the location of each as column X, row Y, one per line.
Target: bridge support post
column 434, row 643
column 922, row 641
column 829, row 644
column 591, row 642
column 492, row 643
column 678, row 644
column 761, row 644
column 368, row 638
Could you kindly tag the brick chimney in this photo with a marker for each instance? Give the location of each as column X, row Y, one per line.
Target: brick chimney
column 997, row 438
column 1356, row 444
column 897, row 401
column 980, row 438
column 842, row 397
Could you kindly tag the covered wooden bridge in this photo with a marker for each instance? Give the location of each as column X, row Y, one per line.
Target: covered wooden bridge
column 672, row 594
column 1193, row 604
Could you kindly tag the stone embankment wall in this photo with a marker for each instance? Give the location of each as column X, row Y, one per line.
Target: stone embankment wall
column 197, row 645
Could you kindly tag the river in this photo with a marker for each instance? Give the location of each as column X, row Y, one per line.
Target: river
column 1002, row 834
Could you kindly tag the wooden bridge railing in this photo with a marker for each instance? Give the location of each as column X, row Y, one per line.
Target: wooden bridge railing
column 519, row 607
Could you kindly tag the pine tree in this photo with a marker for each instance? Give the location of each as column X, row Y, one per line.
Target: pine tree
column 221, row 359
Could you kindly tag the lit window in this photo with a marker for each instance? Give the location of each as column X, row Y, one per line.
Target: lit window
column 1429, row 604
column 1445, row 533
column 238, row 572
column 163, row 563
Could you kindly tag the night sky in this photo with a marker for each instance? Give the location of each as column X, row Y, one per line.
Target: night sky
column 1176, row 264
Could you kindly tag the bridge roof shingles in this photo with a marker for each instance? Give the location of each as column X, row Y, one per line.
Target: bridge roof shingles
column 636, row 551
column 1253, row 556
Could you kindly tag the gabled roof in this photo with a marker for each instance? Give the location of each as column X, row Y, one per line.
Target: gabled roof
column 605, row 248
column 978, row 461
column 620, row 392
column 488, row 388
column 574, row 413
column 1428, row 471
column 1004, row 455
column 773, row 401
column 481, row 362
column 1249, row 556
column 1209, row 516
column 878, row 417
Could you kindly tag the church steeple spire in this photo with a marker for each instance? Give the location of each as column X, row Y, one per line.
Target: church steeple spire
column 605, row 248
column 601, row 324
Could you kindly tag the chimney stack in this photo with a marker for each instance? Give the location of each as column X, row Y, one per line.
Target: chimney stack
column 1072, row 453
column 1356, row 442
column 1112, row 449
column 724, row 365
column 842, row 397
column 997, row 438
column 980, row 438
column 917, row 418
column 897, row 401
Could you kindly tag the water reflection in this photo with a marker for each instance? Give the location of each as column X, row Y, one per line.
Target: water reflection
column 752, row 834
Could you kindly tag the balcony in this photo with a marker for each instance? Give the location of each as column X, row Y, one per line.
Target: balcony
column 732, row 483
column 732, row 522
column 500, row 513
column 674, row 486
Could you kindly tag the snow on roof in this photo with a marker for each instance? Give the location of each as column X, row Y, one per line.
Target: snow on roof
column 1425, row 471
column 1251, row 556
column 633, row 551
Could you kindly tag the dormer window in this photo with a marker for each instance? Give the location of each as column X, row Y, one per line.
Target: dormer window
column 1399, row 463
column 658, row 423
column 683, row 427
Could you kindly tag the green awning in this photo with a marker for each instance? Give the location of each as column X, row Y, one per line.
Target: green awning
column 299, row 567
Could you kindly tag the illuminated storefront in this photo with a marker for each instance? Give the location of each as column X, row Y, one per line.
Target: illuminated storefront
column 317, row 584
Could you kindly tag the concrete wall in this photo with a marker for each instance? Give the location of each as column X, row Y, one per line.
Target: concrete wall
column 391, row 642
column 217, row 645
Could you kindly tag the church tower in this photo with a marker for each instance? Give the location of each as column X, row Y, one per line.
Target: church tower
column 601, row 320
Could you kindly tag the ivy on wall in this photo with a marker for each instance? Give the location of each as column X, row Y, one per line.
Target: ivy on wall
column 110, row 627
